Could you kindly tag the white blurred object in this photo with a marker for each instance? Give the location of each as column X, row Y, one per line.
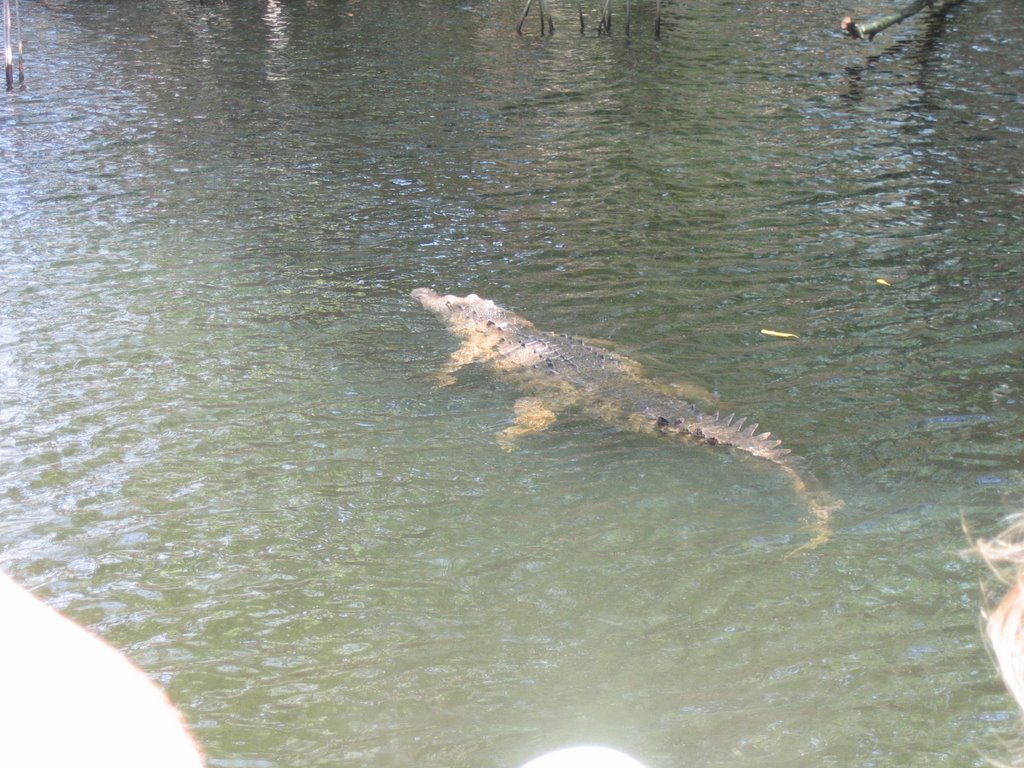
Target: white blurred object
column 68, row 698
column 584, row 757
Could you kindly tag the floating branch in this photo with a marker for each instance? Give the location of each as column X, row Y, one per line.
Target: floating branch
column 868, row 29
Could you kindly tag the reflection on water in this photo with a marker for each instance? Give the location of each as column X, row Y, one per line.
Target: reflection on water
column 223, row 447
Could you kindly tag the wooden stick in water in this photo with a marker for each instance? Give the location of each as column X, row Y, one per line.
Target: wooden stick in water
column 8, row 56
column 21, row 50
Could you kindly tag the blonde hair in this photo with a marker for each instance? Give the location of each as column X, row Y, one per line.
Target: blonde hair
column 1003, row 624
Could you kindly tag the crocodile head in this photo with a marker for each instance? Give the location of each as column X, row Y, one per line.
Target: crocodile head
column 469, row 312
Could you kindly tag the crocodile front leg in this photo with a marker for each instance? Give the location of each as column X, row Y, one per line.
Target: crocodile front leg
column 531, row 415
column 471, row 350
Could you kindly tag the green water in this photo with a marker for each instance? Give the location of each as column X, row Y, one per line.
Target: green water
column 223, row 448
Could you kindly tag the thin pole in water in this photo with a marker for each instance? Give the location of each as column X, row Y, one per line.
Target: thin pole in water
column 542, row 5
column 606, row 17
column 8, row 57
column 551, row 22
column 21, row 50
column 526, row 12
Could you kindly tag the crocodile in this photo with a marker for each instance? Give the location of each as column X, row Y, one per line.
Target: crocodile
column 557, row 371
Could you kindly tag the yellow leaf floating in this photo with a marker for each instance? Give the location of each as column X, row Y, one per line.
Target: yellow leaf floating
column 779, row 334
column 883, row 281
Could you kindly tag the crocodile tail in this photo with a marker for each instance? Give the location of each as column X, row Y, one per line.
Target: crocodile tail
column 820, row 503
column 730, row 430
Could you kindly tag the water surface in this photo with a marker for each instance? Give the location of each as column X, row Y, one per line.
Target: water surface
column 223, row 446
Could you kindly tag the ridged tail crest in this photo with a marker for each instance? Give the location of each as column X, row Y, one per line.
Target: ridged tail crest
column 727, row 430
